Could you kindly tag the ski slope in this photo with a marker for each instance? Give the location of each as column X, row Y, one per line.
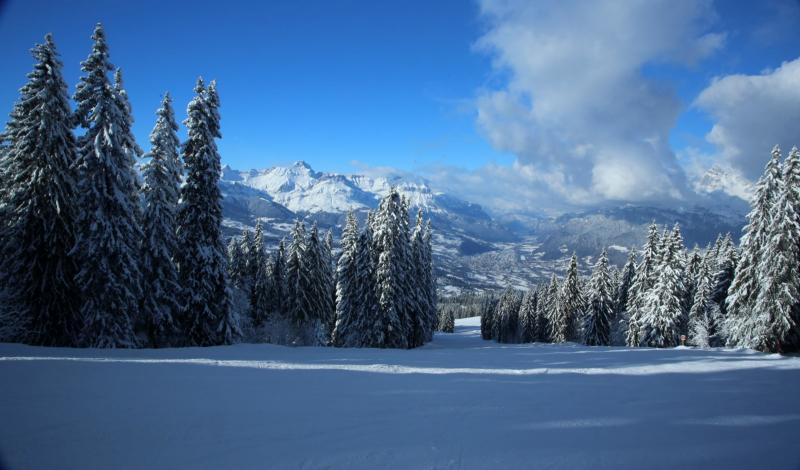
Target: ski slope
column 457, row 403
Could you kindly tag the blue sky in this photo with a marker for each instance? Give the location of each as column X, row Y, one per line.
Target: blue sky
column 457, row 91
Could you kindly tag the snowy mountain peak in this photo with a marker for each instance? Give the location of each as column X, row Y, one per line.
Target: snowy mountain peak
column 726, row 180
column 302, row 189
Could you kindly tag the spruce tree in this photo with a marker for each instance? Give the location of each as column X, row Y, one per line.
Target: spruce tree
column 487, row 319
column 390, row 246
column 527, row 317
column 259, row 288
column 39, row 206
column 776, row 303
column 235, row 262
column 570, row 305
column 108, row 242
column 246, row 269
column 597, row 329
column 208, row 318
column 278, row 300
column 347, row 285
column 659, row 323
column 330, row 281
column 551, row 309
column 299, row 304
column 741, row 316
column 160, row 307
column 315, row 288
column 506, row 319
column 643, row 281
column 726, row 264
column 370, row 323
column 625, row 282
column 428, row 279
column 704, row 315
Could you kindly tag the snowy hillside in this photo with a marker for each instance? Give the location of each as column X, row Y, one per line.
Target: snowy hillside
column 473, row 249
column 458, row 402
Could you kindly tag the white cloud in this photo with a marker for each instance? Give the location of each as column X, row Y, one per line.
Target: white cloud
column 752, row 114
column 577, row 111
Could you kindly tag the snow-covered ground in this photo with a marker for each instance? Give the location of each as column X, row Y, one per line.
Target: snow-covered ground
column 458, row 402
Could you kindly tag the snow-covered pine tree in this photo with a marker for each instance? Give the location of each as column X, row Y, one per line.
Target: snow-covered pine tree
column 246, row 269
column 40, row 204
column 278, row 301
column 315, row 287
column 643, row 281
column 506, row 319
column 741, row 317
column 704, row 315
column 108, row 241
column 330, row 281
column 679, row 265
column 390, row 246
column 447, row 322
column 259, row 291
column 550, row 304
column 776, row 304
column 208, row 317
column 235, row 261
column 369, row 330
column 694, row 267
column 659, row 323
column 569, row 313
column 527, row 317
column 413, row 322
column 347, row 284
column 623, row 288
column 160, row 309
column 428, row 280
column 487, row 318
column 600, row 312
column 296, row 278
column 726, row 270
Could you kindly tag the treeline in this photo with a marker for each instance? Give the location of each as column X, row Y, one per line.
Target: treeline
column 90, row 256
column 747, row 296
column 380, row 293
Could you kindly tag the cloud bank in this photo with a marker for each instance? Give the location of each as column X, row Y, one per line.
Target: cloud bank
column 578, row 110
column 752, row 114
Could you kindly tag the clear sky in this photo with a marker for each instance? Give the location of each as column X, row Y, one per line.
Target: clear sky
column 540, row 100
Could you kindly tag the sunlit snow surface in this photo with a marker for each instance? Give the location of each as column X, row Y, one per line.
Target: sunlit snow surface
column 459, row 402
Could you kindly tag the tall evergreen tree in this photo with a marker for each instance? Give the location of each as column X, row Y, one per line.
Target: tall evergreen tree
column 208, row 317
column 659, row 323
column 390, row 246
column 741, row 317
column 625, row 282
column 704, row 315
column 235, row 262
column 506, row 319
column 568, row 314
column 726, row 264
column 299, row 305
column 39, row 206
column 347, row 284
column 550, row 304
column 597, row 329
column 108, row 242
column 777, row 300
column 643, row 281
column 315, row 287
column 259, row 290
column 527, row 317
column 278, row 294
column 370, row 323
column 160, row 307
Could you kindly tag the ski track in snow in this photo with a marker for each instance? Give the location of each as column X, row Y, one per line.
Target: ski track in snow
column 688, row 367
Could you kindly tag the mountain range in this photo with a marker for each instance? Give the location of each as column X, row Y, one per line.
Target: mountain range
column 473, row 249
